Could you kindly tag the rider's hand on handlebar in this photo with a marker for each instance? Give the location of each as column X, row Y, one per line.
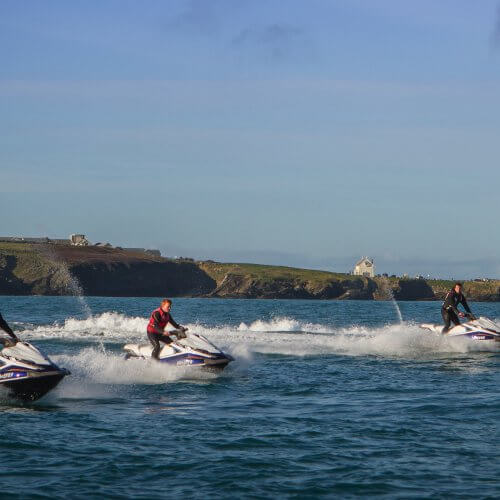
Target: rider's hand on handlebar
column 462, row 315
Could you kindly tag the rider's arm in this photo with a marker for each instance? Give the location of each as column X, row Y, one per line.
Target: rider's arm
column 6, row 328
column 464, row 303
column 174, row 323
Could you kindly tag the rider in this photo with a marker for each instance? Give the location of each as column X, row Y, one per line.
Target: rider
column 160, row 318
column 449, row 309
column 6, row 328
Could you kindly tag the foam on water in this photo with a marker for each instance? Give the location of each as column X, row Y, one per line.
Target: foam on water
column 91, row 369
column 111, row 325
column 278, row 336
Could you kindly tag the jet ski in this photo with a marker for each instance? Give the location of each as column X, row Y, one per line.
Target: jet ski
column 191, row 350
column 25, row 372
column 480, row 329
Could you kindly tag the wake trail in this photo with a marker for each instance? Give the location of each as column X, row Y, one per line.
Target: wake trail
column 286, row 336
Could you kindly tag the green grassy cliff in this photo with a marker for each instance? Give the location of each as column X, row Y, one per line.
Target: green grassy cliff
column 47, row 269
column 260, row 281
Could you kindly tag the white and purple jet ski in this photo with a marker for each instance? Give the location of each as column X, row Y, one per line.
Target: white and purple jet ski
column 25, row 372
column 480, row 329
column 191, row 350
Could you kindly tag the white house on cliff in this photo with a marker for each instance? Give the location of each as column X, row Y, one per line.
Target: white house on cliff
column 364, row 267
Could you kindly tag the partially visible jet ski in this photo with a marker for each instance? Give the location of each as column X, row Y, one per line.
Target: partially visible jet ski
column 25, row 372
column 480, row 329
column 193, row 350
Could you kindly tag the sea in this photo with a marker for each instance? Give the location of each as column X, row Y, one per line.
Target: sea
column 324, row 399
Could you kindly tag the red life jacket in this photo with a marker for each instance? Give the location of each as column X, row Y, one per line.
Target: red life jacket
column 159, row 323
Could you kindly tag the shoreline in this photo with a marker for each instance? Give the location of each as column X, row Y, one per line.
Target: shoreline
column 57, row 270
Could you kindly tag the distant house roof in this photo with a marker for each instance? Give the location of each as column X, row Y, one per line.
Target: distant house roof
column 364, row 260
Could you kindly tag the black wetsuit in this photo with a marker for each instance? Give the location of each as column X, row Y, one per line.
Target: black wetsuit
column 6, row 328
column 449, row 309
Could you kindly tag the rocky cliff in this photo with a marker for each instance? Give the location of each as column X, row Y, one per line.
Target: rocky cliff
column 64, row 270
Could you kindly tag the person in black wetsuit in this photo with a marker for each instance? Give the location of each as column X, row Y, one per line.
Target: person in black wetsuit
column 449, row 309
column 7, row 329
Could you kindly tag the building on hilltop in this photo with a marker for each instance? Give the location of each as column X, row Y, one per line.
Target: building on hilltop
column 364, row 267
column 78, row 240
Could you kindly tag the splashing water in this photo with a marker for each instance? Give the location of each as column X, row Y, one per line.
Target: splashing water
column 96, row 366
column 284, row 335
column 390, row 295
column 73, row 283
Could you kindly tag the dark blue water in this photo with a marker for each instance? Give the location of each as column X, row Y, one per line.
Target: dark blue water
column 324, row 399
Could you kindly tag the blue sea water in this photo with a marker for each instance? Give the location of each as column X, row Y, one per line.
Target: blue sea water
column 325, row 399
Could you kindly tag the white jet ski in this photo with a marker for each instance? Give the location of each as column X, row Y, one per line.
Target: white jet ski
column 192, row 350
column 480, row 329
column 25, row 372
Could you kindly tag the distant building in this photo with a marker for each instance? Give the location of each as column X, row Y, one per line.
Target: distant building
column 364, row 267
column 79, row 240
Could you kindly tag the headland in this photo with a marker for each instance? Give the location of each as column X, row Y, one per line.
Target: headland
column 49, row 269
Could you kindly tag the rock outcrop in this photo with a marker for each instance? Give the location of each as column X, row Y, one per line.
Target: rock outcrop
column 39, row 269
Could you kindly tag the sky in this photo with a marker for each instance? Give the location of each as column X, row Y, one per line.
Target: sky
column 292, row 133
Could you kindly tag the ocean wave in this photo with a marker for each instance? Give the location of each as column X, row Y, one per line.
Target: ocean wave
column 111, row 325
column 94, row 365
column 286, row 336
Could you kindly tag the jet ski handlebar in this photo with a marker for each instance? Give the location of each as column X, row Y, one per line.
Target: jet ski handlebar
column 180, row 333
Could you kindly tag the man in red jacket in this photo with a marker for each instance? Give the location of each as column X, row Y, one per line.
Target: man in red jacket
column 160, row 318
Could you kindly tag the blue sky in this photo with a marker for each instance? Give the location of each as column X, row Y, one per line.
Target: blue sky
column 295, row 133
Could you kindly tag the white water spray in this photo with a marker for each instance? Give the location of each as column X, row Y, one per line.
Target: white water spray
column 70, row 279
column 277, row 336
column 390, row 296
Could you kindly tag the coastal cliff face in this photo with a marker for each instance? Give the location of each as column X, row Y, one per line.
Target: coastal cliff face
column 142, row 279
column 274, row 282
column 64, row 270
column 255, row 281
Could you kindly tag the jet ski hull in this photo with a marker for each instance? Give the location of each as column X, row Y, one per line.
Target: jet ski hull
column 191, row 360
column 482, row 331
column 195, row 351
column 31, row 386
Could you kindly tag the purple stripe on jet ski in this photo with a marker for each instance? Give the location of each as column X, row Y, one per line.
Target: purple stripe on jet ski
column 8, row 375
column 476, row 335
column 183, row 357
